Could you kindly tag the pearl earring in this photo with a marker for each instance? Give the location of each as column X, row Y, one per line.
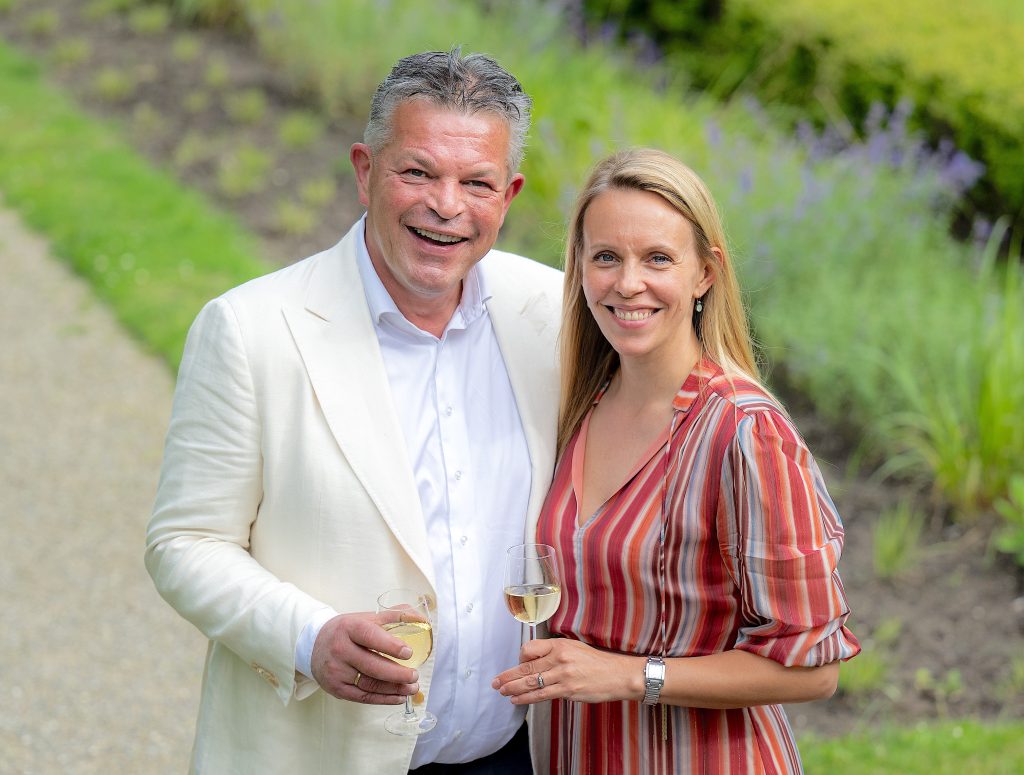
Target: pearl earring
column 699, row 306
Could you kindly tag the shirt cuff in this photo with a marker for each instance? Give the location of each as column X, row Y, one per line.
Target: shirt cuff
column 307, row 639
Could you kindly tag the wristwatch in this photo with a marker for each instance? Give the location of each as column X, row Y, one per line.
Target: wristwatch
column 654, row 679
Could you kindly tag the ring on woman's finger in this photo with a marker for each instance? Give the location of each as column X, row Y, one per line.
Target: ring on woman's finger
column 540, row 680
column 355, row 682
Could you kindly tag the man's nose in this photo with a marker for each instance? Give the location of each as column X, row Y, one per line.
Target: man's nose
column 446, row 199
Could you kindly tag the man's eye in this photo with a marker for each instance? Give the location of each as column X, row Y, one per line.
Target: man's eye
column 414, row 173
column 478, row 184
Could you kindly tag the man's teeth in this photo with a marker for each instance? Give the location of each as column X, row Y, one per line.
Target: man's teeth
column 437, row 237
column 632, row 314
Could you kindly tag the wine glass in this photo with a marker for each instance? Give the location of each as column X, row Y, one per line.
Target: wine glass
column 406, row 615
column 532, row 590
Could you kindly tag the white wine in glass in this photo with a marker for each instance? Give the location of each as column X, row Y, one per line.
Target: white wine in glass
column 406, row 615
column 532, row 591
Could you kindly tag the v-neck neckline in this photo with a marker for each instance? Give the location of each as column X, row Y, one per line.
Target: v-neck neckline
column 578, row 458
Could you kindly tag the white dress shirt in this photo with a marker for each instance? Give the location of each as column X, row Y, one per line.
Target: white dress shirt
column 471, row 464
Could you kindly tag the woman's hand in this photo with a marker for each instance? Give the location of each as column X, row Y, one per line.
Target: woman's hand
column 571, row 670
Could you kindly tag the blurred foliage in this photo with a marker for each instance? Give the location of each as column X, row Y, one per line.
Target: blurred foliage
column 153, row 250
column 959, row 64
column 896, row 537
column 1010, row 538
column 951, row 748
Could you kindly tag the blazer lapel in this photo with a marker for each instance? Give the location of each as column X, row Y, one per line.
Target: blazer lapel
column 335, row 336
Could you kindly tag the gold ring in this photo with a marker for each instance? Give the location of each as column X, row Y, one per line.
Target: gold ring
column 540, row 680
column 355, row 683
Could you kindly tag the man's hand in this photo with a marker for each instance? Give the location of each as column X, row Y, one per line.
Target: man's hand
column 345, row 664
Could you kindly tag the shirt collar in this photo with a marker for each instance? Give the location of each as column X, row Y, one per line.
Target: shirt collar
column 475, row 292
column 695, row 383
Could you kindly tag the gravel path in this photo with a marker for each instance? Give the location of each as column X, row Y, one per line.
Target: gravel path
column 97, row 673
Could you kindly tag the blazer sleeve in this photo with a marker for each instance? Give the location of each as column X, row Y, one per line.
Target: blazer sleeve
column 197, row 543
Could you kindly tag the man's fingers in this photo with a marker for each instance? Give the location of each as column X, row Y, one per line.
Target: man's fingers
column 371, row 635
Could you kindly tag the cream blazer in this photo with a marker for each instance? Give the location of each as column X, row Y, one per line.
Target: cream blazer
column 286, row 485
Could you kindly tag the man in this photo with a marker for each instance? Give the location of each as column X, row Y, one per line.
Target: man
column 379, row 415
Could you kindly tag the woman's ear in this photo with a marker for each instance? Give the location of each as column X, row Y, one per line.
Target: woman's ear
column 710, row 269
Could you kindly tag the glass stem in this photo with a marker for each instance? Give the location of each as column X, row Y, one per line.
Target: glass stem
column 409, row 712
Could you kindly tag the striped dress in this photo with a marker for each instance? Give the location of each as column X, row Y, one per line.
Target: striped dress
column 724, row 537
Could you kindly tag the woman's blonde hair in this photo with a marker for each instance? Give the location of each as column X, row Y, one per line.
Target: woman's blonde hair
column 587, row 358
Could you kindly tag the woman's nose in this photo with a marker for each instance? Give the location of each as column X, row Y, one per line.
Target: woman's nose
column 629, row 281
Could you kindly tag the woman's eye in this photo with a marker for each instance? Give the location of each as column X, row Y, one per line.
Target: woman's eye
column 660, row 259
column 604, row 258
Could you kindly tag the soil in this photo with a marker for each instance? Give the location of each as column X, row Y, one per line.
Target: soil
column 947, row 634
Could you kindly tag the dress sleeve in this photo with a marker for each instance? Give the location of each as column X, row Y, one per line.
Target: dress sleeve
column 781, row 538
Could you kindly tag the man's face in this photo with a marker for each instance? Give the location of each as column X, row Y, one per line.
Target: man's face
column 436, row 196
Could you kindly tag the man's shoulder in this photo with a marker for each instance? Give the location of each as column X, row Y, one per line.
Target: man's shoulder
column 282, row 284
column 520, row 270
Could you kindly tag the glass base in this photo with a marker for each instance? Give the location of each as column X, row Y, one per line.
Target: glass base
column 401, row 723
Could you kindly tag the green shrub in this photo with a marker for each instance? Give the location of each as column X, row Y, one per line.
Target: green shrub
column 1010, row 537
column 896, row 540
column 113, row 84
column 317, row 192
column 99, row 9
column 71, row 52
column 146, row 120
column 150, row 19
column 196, row 101
column 244, row 170
column 194, row 148
column 865, row 676
column 248, row 106
column 300, row 129
column 42, row 24
column 218, row 73
column 8, row 5
column 186, row 48
column 834, row 60
column 295, row 218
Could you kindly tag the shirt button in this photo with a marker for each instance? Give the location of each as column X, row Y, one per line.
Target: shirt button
column 463, row 540
column 458, row 475
column 469, row 608
column 458, row 733
column 469, row 672
column 448, row 411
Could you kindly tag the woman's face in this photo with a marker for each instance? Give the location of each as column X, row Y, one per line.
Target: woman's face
column 641, row 275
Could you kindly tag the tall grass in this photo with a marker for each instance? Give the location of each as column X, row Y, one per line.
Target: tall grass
column 853, row 282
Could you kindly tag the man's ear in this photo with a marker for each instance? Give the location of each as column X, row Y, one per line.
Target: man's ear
column 515, row 185
column 362, row 162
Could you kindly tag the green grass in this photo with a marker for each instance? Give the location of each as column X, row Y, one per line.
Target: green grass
column 951, row 748
column 151, row 249
column 896, row 540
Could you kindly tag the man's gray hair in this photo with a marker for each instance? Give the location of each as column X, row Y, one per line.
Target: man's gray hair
column 471, row 84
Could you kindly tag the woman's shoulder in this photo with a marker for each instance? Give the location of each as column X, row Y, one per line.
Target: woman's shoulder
column 743, row 393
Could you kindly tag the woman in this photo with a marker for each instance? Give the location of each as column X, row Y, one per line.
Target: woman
column 696, row 541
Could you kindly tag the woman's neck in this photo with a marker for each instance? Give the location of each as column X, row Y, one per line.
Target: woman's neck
column 642, row 382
